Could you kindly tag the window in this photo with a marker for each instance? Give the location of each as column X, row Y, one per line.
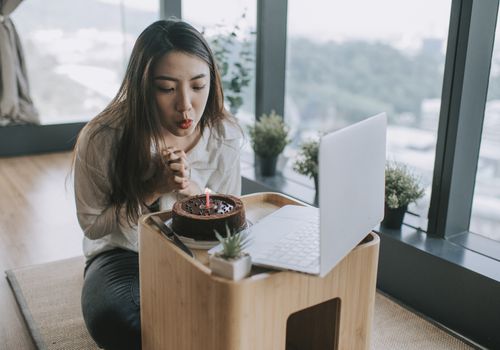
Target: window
column 344, row 65
column 77, row 51
column 485, row 216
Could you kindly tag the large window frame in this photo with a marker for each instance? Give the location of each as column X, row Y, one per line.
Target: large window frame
column 449, row 274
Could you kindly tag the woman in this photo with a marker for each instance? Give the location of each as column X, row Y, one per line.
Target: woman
column 165, row 135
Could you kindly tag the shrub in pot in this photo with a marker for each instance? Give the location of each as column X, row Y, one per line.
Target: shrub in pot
column 401, row 188
column 307, row 161
column 268, row 136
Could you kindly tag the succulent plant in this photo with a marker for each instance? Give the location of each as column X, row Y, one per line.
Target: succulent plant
column 233, row 244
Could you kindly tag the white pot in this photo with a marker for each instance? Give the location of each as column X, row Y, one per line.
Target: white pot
column 231, row 269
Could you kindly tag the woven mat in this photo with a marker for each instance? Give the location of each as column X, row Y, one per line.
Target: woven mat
column 49, row 297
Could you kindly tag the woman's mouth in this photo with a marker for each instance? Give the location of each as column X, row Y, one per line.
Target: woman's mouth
column 185, row 124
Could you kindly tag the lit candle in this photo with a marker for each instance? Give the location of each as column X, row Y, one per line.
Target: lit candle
column 207, row 196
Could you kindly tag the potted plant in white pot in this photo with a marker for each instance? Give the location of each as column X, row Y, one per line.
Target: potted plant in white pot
column 231, row 262
column 307, row 161
column 401, row 189
column 268, row 136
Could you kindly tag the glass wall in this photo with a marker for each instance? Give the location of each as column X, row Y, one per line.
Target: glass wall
column 349, row 60
column 229, row 26
column 485, row 216
column 77, row 51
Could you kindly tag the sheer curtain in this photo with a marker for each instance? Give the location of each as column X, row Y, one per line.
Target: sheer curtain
column 16, row 106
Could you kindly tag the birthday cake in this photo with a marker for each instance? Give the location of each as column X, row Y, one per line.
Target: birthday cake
column 192, row 218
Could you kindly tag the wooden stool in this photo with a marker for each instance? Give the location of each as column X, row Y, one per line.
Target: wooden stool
column 184, row 307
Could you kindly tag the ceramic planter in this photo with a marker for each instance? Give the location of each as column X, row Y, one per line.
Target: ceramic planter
column 393, row 218
column 268, row 165
column 231, row 269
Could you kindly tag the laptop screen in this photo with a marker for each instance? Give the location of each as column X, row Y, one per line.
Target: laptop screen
column 351, row 187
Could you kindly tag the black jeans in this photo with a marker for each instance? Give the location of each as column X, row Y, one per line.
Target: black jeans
column 110, row 300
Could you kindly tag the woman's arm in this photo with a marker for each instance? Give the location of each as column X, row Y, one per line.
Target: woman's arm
column 96, row 216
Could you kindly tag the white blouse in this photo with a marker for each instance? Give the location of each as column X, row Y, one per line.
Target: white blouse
column 214, row 163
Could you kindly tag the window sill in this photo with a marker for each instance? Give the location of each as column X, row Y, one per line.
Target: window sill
column 19, row 140
column 448, row 250
column 283, row 182
column 479, row 244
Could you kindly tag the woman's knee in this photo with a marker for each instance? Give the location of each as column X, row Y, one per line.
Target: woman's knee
column 113, row 326
column 110, row 302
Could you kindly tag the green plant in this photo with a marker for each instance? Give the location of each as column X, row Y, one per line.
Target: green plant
column 269, row 135
column 307, row 160
column 233, row 244
column 401, row 186
column 233, row 53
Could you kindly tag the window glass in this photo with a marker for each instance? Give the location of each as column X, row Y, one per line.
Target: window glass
column 348, row 60
column 77, row 51
column 485, row 216
column 229, row 27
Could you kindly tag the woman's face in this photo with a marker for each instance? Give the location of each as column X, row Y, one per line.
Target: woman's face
column 182, row 84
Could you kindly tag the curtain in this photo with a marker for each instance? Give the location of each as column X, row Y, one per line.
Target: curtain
column 16, row 106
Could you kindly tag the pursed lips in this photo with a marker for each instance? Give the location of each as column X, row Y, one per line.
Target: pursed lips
column 185, row 124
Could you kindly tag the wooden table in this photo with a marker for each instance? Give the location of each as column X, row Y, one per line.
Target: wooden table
column 184, row 307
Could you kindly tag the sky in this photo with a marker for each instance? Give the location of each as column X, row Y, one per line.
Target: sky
column 396, row 21
column 338, row 20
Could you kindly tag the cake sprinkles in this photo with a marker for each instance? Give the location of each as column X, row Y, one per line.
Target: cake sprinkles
column 198, row 206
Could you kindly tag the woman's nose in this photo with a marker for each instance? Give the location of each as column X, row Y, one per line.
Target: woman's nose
column 183, row 103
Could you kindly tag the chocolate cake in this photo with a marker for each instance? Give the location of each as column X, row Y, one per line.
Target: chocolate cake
column 191, row 217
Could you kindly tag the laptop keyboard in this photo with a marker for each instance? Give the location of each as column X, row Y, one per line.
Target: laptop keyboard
column 299, row 248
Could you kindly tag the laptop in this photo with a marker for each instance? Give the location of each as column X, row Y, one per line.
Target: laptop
column 351, row 203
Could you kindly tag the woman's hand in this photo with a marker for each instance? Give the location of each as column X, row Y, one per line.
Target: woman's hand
column 171, row 174
column 191, row 190
column 177, row 170
column 178, row 164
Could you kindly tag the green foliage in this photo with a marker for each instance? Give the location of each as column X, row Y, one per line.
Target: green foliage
column 233, row 244
column 401, row 186
column 307, row 160
column 353, row 79
column 235, row 60
column 269, row 135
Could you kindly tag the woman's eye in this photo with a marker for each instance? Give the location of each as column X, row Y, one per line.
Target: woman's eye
column 201, row 87
column 164, row 89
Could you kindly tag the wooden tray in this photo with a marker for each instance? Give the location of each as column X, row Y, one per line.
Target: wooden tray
column 256, row 207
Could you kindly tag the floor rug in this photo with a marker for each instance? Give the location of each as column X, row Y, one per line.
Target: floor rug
column 49, row 298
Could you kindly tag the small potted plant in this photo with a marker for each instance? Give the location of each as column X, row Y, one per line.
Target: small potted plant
column 307, row 161
column 268, row 136
column 401, row 189
column 231, row 262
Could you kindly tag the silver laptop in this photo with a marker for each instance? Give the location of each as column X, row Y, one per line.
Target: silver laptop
column 351, row 204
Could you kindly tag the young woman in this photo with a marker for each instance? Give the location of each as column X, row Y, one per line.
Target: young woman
column 165, row 135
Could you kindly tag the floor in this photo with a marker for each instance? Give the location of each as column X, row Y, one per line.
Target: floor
column 37, row 224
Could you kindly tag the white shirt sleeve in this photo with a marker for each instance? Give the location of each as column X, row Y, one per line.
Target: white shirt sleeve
column 96, row 216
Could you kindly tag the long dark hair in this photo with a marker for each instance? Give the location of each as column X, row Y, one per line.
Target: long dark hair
column 134, row 108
